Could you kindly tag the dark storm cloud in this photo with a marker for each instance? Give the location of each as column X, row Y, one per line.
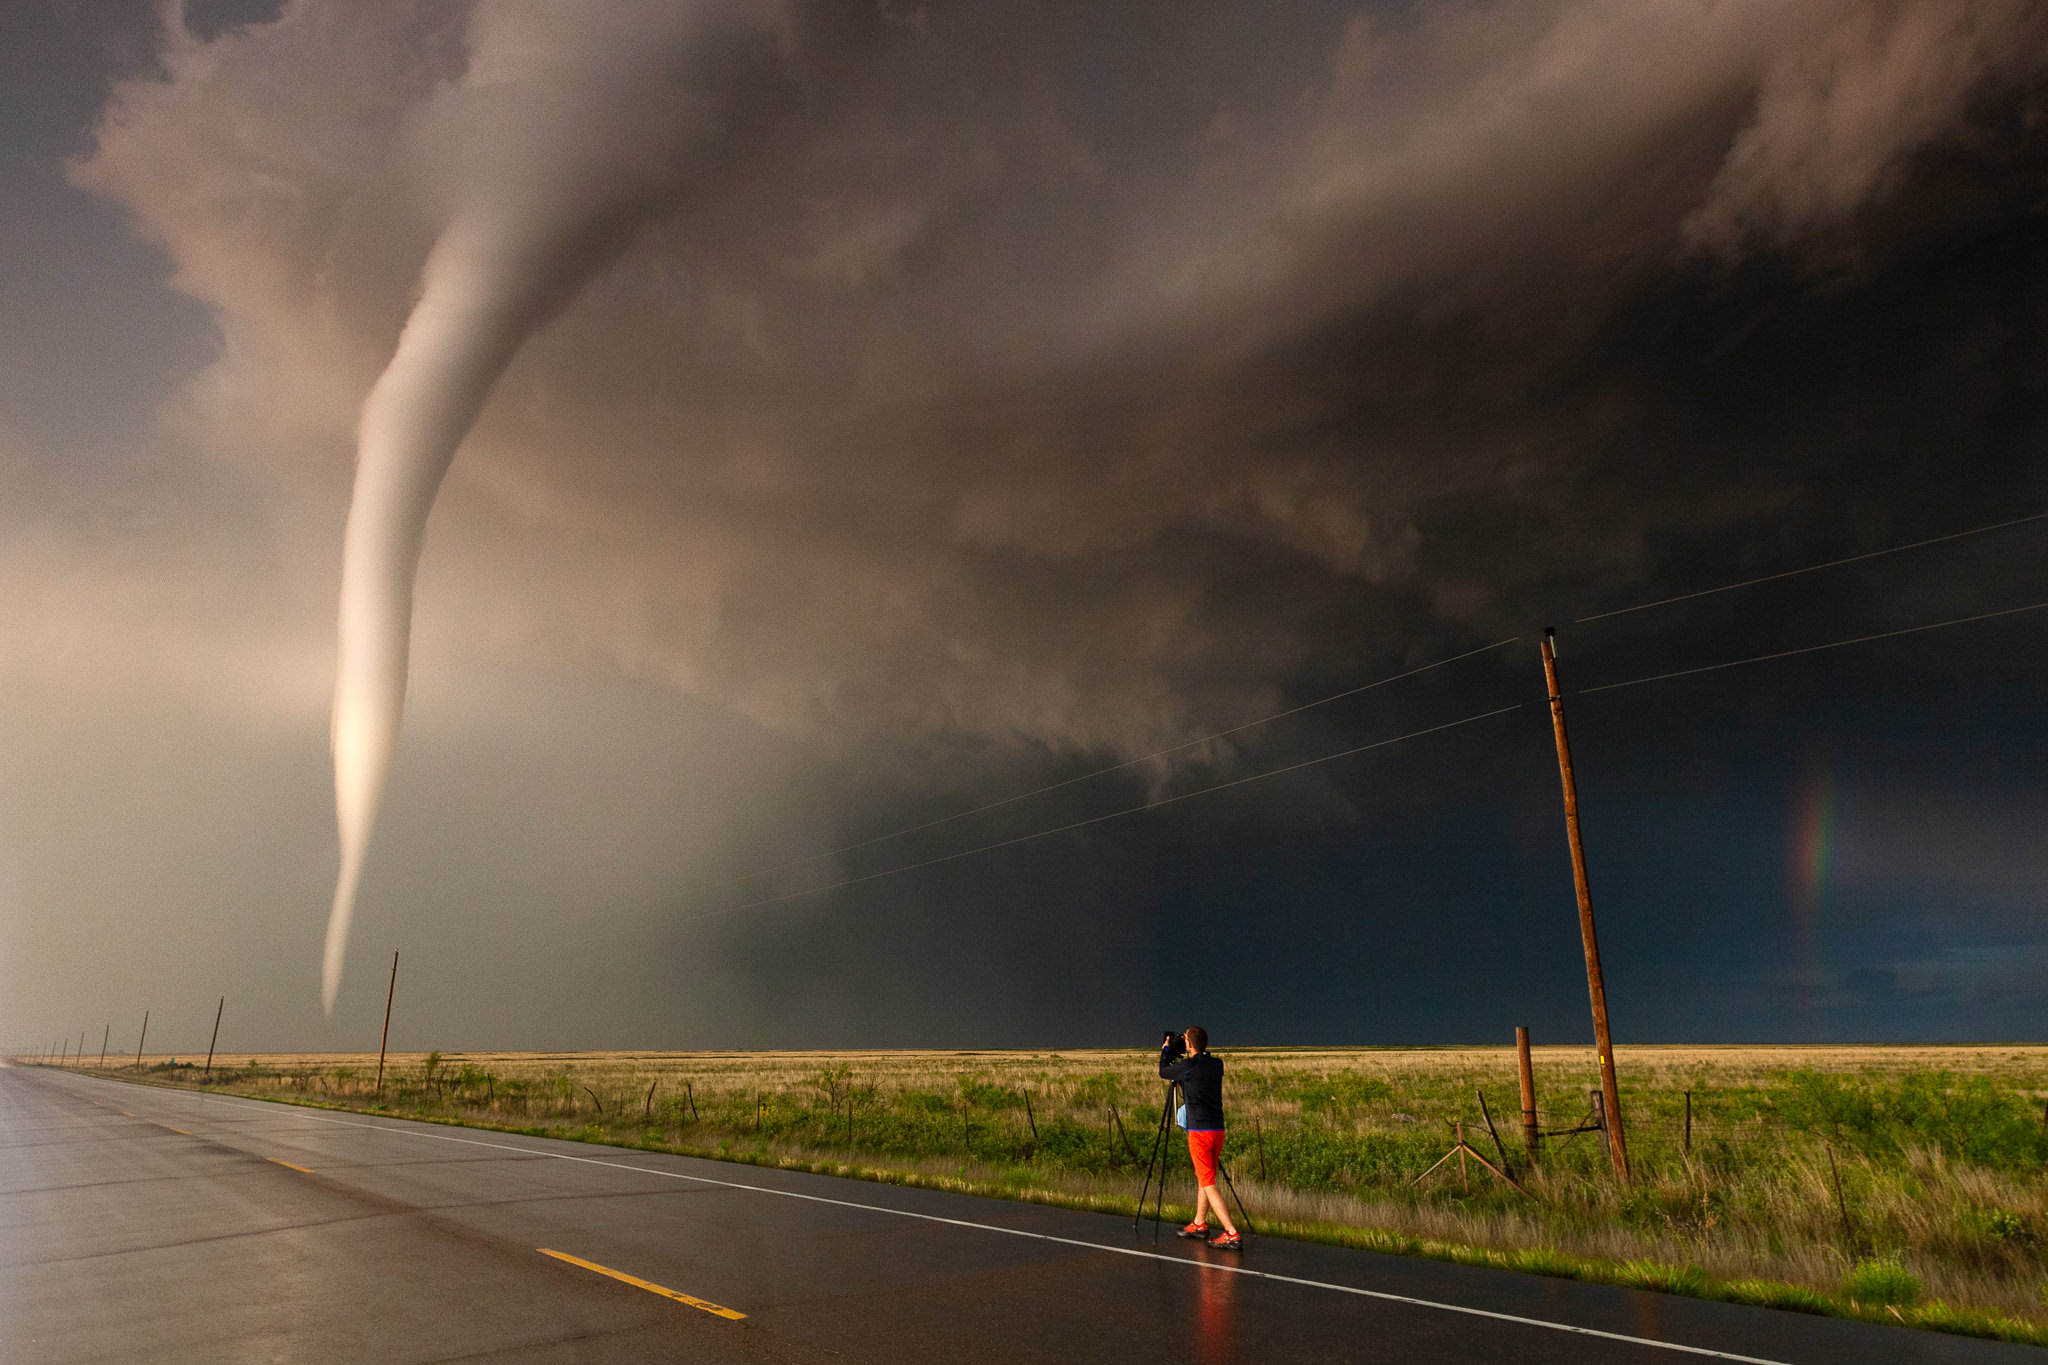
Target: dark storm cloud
column 1060, row 385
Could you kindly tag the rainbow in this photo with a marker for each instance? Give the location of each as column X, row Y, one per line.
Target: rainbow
column 1813, row 838
column 1810, row 848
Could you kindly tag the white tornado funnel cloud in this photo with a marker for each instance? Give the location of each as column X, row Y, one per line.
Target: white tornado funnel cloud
column 569, row 135
column 469, row 322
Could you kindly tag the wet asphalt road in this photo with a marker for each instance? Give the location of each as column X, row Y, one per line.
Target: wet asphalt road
column 144, row 1224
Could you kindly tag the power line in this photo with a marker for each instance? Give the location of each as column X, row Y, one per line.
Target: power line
column 1811, row 568
column 1114, row 767
column 1814, row 649
column 1112, row 815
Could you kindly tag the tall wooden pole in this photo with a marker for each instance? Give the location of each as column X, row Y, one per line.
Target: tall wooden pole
column 1531, row 1134
column 143, row 1039
column 391, row 991
column 1596, row 985
column 216, row 1033
column 105, row 1038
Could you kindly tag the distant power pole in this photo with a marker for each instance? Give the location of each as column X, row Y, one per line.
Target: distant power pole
column 390, row 992
column 143, row 1039
column 1596, row 984
column 104, row 1038
column 216, row 1033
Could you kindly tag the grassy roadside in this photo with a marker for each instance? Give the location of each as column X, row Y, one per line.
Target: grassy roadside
column 1939, row 1152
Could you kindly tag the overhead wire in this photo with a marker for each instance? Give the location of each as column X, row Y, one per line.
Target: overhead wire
column 1111, row 815
column 1114, row 767
column 1812, row 649
column 1346, row 753
column 1812, row 568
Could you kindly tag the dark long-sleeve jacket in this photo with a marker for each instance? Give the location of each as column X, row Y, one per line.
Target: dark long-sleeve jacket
column 1201, row 1088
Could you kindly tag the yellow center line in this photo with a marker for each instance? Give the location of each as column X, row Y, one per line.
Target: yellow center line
column 639, row 1283
column 287, row 1165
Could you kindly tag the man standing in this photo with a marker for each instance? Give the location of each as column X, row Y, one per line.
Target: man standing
column 1200, row 1078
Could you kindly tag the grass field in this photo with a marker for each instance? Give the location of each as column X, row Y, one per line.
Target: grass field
column 1901, row 1183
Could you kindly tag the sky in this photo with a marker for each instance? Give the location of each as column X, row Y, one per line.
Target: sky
column 886, row 410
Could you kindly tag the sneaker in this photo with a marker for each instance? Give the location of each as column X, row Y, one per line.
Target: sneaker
column 1228, row 1242
column 1196, row 1232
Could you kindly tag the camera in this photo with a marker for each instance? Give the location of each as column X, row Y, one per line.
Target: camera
column 1174, row 1045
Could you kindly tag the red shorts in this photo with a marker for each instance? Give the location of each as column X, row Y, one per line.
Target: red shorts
column 1204, row 1148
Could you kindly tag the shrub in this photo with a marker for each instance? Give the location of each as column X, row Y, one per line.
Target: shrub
column 983, row 1095
column 1881, row 1279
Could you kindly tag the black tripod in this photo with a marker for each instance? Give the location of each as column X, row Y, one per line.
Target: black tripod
column 1157, row 1161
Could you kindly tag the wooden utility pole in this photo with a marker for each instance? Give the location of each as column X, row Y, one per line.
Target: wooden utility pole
column 1596, row 985
column 143, row 1039
column 216, row 1033
column 105, row 1038
column 386, row 1038
column 1531, row 1135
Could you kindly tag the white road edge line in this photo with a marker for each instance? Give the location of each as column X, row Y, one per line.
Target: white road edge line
column 409, row 1131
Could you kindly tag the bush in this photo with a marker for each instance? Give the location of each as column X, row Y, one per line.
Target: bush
column 1970, row 1118
column 1881, row 1279
column 983, row 1095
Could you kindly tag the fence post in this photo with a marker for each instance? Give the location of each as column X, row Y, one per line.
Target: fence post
column 1531, row 1134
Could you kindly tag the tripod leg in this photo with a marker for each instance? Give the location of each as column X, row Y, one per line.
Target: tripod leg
column 1151, row 1160
column 1243, row 1217
column 1165, row 1150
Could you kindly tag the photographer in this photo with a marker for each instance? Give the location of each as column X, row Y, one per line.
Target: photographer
column 1184, row 1059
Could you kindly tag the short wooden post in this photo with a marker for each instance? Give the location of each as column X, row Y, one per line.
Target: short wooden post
column 650, row 1098
column 384, row 1039
column 1531, row 1135
column 1464, row 1176
column 216, row 1034
column 1491, row 1131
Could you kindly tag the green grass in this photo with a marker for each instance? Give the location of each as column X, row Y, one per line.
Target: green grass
column 1940, row 1154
